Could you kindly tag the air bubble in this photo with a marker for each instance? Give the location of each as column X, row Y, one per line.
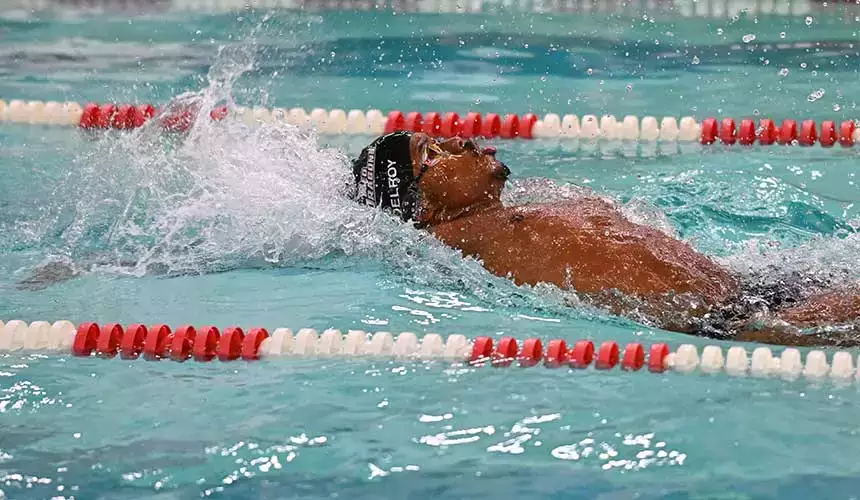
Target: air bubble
column 590, row 71
column 836, row 107
column 748, row 38
column 782, row 34
column 808, row 20
column 696, row 60
column 783, row 72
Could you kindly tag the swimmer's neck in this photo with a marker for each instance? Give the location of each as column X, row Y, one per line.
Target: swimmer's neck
column 432, row 216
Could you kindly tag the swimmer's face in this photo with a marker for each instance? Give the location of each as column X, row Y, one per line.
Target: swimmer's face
column 457, row 173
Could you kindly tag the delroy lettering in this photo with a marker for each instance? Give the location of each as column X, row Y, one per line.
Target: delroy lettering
column 393, row 184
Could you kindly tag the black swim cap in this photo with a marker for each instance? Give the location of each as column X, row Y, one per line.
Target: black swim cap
column 384, row 177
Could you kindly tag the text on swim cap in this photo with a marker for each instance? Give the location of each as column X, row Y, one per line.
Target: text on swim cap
column 393, row 184
column 366, row 183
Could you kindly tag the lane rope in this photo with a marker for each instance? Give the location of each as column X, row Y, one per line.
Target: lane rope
column 607, row 128
column 681, row 8
column 209, row 343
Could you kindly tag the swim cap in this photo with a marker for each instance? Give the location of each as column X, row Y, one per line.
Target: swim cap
column 384, row 177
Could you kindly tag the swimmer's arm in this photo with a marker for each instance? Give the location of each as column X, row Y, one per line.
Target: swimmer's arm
column 48, row 274
column 833, row 307
column 837, row 311
column 789, row 338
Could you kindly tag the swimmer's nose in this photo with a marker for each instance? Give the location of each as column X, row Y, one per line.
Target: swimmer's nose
column 501, row 171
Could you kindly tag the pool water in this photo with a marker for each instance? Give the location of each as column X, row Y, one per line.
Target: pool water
column 241, row 225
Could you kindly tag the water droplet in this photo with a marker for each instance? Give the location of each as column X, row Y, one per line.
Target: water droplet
column 719, row 31
column 836, row 107
column 543, row 78
column 629, row 87
column 808, row 20
column 590, row 71
column 748, row 38
column 696, row 60
column 818, row 94
column 756, row 112
column 782, row 34
column 783, row 72
column 803, row 65
column 477, row 100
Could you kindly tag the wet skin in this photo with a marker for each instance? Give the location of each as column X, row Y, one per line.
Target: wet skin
column 589, row 246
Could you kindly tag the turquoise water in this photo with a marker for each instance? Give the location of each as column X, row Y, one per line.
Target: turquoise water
column 250, row 215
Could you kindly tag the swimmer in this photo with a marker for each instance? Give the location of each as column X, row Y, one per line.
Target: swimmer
column 452, row 189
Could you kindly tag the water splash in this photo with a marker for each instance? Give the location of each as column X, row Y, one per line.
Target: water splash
column 227, row 195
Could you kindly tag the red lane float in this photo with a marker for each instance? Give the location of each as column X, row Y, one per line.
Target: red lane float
column 828, row 133
column 709, row 131
column 157, row 342
column 607, row 357
column 182, row 343
column 230, row 345
column 808, row 134
column 788, row 132
column 510, row 126
column 634, row 357
column 657, row 358
column 556, row 354
column 506, row 352
column 846, row 133
column 582, row 354
column 482, row 350
column 727, row 131
column 110, row 335
column 769, row 134
column 531, row 353
column 746, row 135
column 132, row 342
column 472, row 125
column 251, row 344
column 206, row 344
column 450, row 126
column 86, row 339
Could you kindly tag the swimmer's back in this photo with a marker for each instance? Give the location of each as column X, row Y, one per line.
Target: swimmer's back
column 589, row 245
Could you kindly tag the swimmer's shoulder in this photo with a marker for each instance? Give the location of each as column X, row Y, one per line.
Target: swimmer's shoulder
column 578, row 212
